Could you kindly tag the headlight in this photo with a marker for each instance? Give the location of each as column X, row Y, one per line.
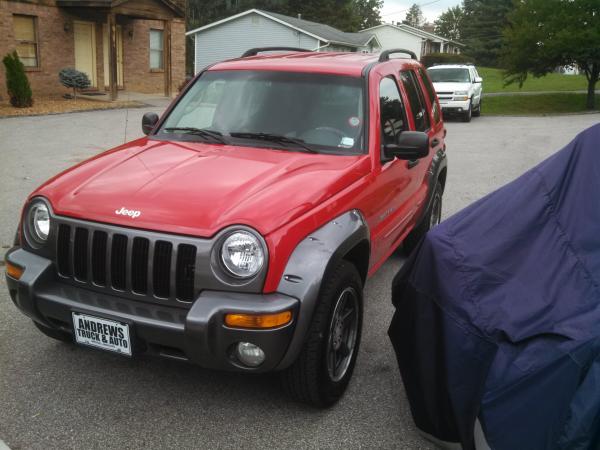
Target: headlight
column 38, row 221
column 461, row 93
column 242, row 254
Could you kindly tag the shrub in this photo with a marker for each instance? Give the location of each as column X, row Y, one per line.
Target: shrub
column 73, row 78
column 17, row 83
column 445, row 58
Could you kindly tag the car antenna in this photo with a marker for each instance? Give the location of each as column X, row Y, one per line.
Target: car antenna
column 126, row 119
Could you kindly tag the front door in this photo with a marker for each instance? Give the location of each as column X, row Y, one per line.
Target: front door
column 106, row 50
column 391, row 207
column 85, row 49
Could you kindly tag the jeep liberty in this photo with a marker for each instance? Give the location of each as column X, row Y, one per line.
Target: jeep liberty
column 239, row 233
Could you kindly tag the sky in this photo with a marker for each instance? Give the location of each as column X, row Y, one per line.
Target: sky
column 395, row 10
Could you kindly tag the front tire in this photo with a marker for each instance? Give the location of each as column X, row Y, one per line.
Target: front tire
column 469, row 113
column 320, row 375
column 431, row 219
column 477, row 112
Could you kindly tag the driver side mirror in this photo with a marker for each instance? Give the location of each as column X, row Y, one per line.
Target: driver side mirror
column 478, row 80
column 149, row 121
column 410, row 145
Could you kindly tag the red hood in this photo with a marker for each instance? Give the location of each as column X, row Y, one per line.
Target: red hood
column 197, row 189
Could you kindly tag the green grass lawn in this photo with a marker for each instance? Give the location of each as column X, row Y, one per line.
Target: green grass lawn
column 493, row 82
column 541, row 104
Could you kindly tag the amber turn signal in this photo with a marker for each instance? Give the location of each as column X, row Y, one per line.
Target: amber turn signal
column 258, row 320
column 13, row 271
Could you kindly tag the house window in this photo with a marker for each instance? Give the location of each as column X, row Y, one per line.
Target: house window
column 156, row 49
column 26, row 38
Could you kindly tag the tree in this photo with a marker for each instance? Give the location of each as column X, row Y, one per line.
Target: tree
column 449, row 23
column 17, row 83
column 545, row 34
column 414, row 16
column 368, row 13
column 346, row 15
column 482, row 27
column 74, row 79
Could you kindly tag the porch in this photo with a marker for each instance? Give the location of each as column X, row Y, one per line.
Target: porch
column 127, row 44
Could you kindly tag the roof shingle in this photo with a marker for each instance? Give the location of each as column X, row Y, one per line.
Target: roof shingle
column 326, row 32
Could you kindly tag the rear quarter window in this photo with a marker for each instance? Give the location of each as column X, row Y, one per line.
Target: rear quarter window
column 435, row 109
column 416, row 100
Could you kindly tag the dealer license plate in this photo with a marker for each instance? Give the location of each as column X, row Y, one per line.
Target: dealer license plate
column 102, row 333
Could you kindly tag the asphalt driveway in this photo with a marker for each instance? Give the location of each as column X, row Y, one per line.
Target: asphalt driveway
column 54, row 395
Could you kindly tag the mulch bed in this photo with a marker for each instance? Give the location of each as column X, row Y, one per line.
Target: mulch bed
column 59, row 105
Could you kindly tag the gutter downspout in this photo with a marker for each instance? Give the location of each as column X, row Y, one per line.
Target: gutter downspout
column 318, row 49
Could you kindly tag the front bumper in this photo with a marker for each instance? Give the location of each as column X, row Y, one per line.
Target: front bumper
column 197, row 334
column 455, row 106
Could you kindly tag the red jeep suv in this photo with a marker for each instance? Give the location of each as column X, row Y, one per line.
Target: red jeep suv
column 240, row 232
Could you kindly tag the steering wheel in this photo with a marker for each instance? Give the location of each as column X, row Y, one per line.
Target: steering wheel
column 338, row 133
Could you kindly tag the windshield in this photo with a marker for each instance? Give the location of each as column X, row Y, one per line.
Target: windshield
column 324, row 112
column 449, row 75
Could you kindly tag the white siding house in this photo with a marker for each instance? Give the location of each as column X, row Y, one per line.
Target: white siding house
column 229, row 38
column 418, row 41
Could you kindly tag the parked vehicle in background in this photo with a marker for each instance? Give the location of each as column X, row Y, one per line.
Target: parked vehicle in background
column 459, row 88
column 239, row 233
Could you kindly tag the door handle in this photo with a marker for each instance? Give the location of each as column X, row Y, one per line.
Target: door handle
column 435, row 142
column 412, row 163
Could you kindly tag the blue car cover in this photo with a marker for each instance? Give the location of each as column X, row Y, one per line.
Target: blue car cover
column 498, row 312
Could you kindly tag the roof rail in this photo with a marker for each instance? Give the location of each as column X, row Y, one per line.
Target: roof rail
column 385, row 55
column 256, row 51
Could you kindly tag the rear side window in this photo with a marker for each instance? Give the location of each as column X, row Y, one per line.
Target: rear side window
column 416, row 100
column 432, row 96
column 392, row 114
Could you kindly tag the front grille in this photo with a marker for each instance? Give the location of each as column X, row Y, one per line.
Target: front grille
column 137, row 265
column 162, row 268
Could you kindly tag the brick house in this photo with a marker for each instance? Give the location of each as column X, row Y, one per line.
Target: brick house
column 138, row 45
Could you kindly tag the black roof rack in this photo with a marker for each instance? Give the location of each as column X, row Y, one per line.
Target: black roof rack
column 385, row 55
column 256, row 51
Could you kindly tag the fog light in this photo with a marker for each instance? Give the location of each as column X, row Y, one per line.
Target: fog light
column 249, row 354
column 13, row 271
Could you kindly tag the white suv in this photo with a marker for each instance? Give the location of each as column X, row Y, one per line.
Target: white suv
column 458, row 87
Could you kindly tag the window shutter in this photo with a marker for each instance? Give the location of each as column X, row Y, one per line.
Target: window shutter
column 24, row 28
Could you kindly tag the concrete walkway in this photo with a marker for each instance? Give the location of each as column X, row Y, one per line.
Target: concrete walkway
column 153, row 100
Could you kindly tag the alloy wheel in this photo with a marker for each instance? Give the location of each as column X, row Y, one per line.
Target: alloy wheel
column 343, row 331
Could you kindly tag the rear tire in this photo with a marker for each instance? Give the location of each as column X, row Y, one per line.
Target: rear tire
column 431, row 219
column 59, row 335
column 468, row 114
column 320, row 375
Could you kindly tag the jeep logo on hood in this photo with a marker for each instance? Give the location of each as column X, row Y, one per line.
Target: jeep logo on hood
column 128, row 212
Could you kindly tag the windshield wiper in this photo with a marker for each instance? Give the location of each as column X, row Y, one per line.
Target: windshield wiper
column 277, row 138
column 216, row 135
